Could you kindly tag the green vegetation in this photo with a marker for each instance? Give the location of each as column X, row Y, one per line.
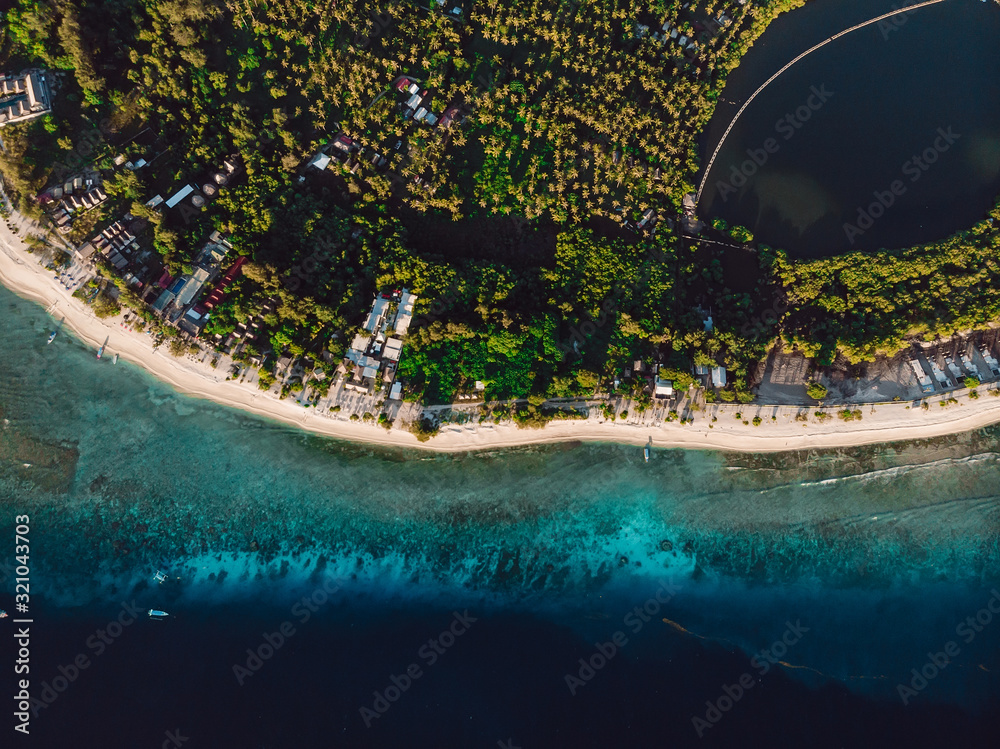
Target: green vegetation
column 517, row 226
column 971, row 382
column 866, row 304
column 816, row 391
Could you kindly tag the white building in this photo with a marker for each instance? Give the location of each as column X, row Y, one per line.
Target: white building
column 23, row 97
column 404, row 315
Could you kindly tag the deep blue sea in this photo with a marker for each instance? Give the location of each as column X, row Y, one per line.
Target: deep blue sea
column 324, row 594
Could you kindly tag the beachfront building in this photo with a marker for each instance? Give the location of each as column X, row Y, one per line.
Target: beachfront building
column 663, row 388
column 178, row 302
column 923, row 380
column 378, row 347
column 23, row 97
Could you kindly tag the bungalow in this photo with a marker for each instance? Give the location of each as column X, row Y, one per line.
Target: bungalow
column 392, row 350
column 345, row 144
column 376, row 317
column 320, row 161
column 403, row 86
column 193, row 322
column 360, row 342
column 924, row 381
column 163, row 301
column 414, row 101
column 404, row 314
column 719, row 377
column 663, row 388
column 215, row 297
column 449, row 117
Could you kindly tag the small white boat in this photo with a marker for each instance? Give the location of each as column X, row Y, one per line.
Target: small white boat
column 53, row 336
column 3, row 614
column 155, row 614
column 116, row 359
column 646, row 453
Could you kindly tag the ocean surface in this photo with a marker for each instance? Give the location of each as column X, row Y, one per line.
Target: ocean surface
column 887, row 91
column 325, row 594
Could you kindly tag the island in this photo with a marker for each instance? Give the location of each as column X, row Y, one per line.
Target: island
column 459, row 225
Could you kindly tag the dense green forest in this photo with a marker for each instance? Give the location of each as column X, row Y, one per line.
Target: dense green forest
column 517, row 225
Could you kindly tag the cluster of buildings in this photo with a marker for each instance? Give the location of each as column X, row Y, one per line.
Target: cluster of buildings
column 937, row 369
column 68, row 201
column 196, row 195
column 417, row 106
column 178, row 299
column 246, row 334
column 116, row 243
column 684, row 39
column 375, row 351
column 670, row 33
column 347, row 153
column 23, row 97
column 455, row 12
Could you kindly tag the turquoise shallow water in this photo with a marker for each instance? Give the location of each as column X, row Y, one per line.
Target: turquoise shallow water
column 880, row 552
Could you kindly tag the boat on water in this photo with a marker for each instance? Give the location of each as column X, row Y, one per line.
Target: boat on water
column 100, row 351
column 645, row 452
column 3, row 614
column 116, row 358
column 156, row 614
column 160, row 577
column 53, row 335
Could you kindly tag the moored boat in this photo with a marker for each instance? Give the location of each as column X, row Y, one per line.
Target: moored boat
column 52, row 337
column 156, row 614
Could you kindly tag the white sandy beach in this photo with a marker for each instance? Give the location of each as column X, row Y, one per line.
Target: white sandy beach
column 885, row 422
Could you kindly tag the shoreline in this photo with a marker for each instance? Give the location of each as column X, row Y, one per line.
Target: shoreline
column 881, row 423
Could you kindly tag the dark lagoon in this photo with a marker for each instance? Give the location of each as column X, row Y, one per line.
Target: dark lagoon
column 891, row 91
